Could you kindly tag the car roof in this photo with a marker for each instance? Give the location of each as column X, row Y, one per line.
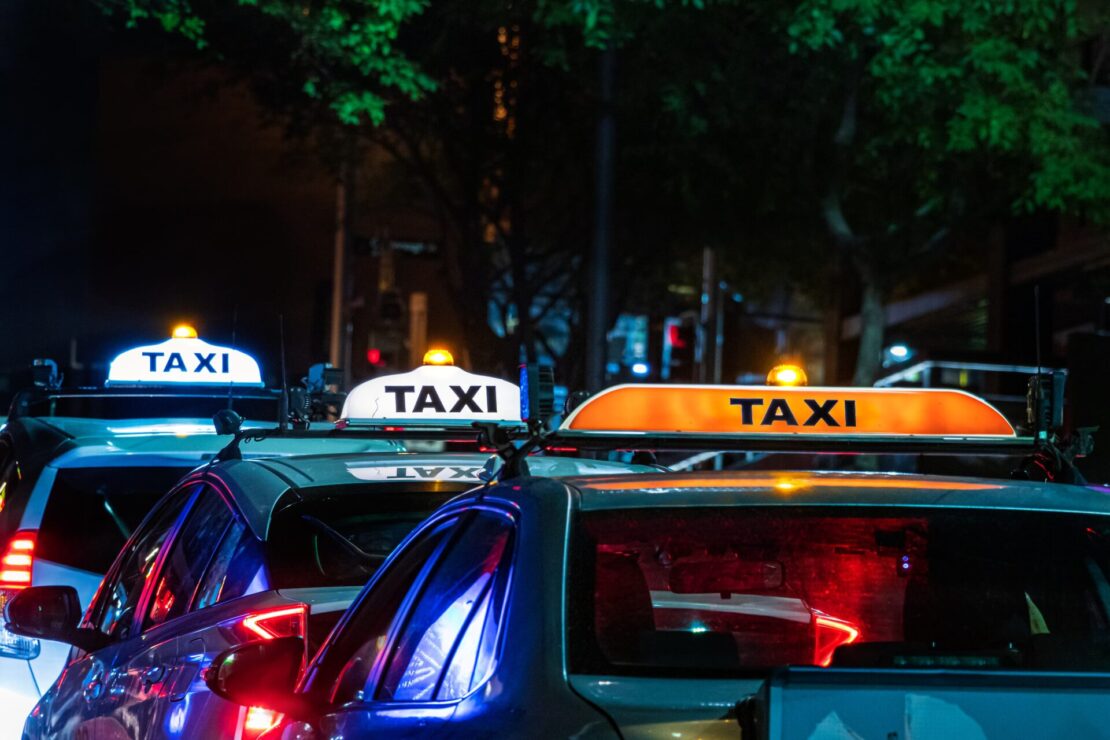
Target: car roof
column 93, row 442
column 819, row 488
column 259, row 484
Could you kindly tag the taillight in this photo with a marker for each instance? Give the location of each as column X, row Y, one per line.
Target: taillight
column 287, row 621
column 831, row 633
column 259, row 719
column 19, row 558
column 284, row 622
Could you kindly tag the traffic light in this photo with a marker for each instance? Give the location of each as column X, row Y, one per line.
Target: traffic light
column 680, row 339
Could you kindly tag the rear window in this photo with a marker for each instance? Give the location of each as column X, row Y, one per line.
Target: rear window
column 341, row 540
column 92, row 511
column 147, row 406
column 724, row 591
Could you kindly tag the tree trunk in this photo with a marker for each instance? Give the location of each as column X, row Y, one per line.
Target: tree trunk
column 872, row 327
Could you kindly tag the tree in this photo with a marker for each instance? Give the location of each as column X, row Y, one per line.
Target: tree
column 344, row 52
column 939, row 115
column 483, row 105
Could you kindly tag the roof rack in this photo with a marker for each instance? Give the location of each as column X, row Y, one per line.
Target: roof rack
column 805, row 420
column 492, row 435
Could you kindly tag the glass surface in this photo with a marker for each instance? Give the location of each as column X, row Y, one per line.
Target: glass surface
column 140, row 405
column 119, row 597
column 342, row 540
column 725, row 590
column 366, row 636
column 237, row 568
column 92, row 511
column 456, row 595
column 191, row 552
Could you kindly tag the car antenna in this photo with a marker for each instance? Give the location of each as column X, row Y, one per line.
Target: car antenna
column 226, row 420
column 283, row 412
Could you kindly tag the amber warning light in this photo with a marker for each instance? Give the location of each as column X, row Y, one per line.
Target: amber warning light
column 787, row 375
column 668, row 409
column 438, row 357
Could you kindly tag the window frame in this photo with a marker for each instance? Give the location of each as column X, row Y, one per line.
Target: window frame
column 197, row 483
column 332, row 670
column 416, row 592
column 96, row 609
column 160, row 566
column 236, row 518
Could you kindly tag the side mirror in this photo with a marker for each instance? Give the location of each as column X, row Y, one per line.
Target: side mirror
column 51, row 613
column 262, row 674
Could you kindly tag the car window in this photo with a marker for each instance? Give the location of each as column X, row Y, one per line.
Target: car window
column 91, row 512
column 719, row 591
column 436, row 654
column 237, row 568
column 310, row 540
column 119, row 597
column 188, row 557
column 366, row 637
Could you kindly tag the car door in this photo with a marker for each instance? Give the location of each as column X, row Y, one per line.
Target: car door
column 145, row 678
column 80, row 703
column 440, row 645
column 237, row 568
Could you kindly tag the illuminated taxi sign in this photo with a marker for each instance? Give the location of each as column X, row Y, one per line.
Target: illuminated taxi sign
column 789, row 410
column 184, row 360
column 433, row 394
column 415, row 472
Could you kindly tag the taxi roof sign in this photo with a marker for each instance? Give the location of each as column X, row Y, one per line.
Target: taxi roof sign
column 439, row 395
column 784, row 410
column 184, row 360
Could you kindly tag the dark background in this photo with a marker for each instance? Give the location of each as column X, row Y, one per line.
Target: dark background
column 138, row 190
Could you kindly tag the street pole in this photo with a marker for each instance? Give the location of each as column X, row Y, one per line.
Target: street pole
column 597, row 324
column 707, row 323
column 719, row 332
column 338, row 275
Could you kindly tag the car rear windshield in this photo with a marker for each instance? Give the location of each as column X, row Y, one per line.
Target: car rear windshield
column 92, row 511
column 340, row 540
column 148, row 406
column 725, row 591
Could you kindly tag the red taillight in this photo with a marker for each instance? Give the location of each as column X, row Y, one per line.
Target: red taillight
column 260, row 719
column 284, row 622
column 19, row 558
column 287, row 621
column 831, row 633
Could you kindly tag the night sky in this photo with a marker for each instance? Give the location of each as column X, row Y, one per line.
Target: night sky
column 140, row 189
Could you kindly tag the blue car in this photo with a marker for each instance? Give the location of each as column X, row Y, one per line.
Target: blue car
column 245, row 550
column 655, row 605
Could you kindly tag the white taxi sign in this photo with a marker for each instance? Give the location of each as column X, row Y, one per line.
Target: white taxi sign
column 416, row 472
column 184, row 361
column 433, row 394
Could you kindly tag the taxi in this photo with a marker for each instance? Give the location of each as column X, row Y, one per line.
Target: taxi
column 668, row 605
column 259, row 548
column 81, row 467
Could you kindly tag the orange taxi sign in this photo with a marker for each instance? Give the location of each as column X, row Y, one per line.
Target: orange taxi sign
column 718, row 409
